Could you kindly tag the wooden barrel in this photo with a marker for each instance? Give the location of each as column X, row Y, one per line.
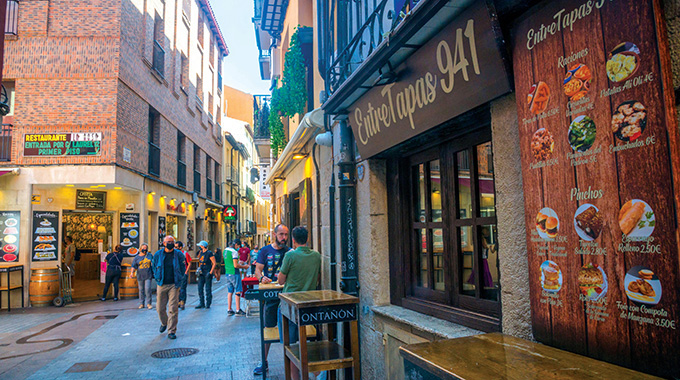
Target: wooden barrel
column 128, row 284
column 44, row 286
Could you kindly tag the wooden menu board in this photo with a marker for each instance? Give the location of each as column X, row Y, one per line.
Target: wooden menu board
column 599, row 147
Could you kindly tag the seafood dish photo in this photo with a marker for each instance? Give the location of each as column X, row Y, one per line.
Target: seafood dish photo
column 629, row 120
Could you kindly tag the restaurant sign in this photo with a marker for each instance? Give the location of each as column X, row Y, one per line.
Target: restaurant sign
column 62, row 144
column 90, row 200
column 459, row 69
column 230, row 213
column 599, row 143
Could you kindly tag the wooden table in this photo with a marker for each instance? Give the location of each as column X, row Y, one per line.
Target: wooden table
column 319, row 307
column 499, row 356
column 263, row 293
column 9, row 268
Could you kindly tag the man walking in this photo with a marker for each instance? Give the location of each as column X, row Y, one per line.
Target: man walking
column 168, row 269
column 204, row 273
column 185, row 280
column 299, row 273
column 232, row 267
column 269, row 261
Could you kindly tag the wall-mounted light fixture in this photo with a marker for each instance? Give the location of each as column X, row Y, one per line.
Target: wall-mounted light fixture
column 152, row 192
column 279, row 179
column 299, row 156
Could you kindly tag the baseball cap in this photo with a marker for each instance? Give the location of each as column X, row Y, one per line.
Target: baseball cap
column 203, row 244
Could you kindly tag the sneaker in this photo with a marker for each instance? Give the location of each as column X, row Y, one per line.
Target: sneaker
column 163, row 328
column 230, row 313
column 149, row 306
column 172, row 336
column 181, row 305
column 201, row 306
column 260, row 369
column 140, row 307
column 102, row 299
column 207, row 306
column 240, row 313
column 115, row 298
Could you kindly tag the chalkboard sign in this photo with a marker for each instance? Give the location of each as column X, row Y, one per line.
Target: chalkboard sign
column 45, row 238
column 90, row 200
column 9, row 236
column 600, row 163
column 129, row 233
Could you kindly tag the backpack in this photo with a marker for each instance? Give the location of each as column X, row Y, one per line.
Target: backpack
column 76, row 257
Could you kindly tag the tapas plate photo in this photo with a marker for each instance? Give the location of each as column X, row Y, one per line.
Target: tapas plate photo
column 9, row 257
column 623, row 62
column 133, row 233
column 629, row 120
column 126, row 242
column 643, row 286
column 582, row 133
column 45, row 223
column 588, row 222
column 637, row 220
column 592, row 282
column 551, row 277
column 10, row 239
column 132, row 251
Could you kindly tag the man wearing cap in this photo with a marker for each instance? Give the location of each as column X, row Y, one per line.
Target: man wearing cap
column 232, row 268
column 204, row 274
column 168, row 269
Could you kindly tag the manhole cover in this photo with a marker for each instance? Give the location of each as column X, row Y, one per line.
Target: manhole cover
column 174, row 353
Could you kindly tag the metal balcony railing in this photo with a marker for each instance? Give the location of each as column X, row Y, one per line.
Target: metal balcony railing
column 159, row 59
column 181, row 174
column 208, row 188
column 154, row 159
column 197, row 181
column 12, row 20
column 6, row 142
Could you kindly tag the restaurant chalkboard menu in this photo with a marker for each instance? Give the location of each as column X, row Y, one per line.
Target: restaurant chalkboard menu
column 599, row 147
column 90, row 200
column 9, row 236
column 44, row 241
column 129, row 233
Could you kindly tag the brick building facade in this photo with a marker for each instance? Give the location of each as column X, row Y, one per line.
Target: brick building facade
column 145, row 78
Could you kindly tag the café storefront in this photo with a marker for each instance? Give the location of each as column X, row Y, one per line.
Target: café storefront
column 516, row 195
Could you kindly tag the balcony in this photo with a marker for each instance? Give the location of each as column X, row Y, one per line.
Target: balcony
column 181, row 174
column 11, row 22
column 197, row 181
column 208, row 188
column 154, row 159
column 6, row 142
column 159, row 59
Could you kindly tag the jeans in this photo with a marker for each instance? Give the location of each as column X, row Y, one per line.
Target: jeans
column 205, row 281
column 167, row 296
column 183, row 289
column 293, row 333
column 144, row 291
column 112, row 277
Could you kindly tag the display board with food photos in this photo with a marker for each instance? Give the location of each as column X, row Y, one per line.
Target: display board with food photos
column 9, row 236
column 45, row 238
column 599, row 149
column 161, row 231
column 129, row 233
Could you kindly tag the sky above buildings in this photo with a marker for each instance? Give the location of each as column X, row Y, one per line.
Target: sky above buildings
column 240, row 69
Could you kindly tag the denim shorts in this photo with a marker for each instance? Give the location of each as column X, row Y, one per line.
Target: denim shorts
column 292, row 329
column 234, row 283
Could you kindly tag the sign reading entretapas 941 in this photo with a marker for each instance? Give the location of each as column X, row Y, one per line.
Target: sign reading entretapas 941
column 62, row 144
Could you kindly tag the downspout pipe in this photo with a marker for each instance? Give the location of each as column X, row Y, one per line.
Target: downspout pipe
column 349, row 282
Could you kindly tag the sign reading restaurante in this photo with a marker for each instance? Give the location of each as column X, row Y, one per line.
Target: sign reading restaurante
column 599, row 145
column 62, row 144
column 457, row 70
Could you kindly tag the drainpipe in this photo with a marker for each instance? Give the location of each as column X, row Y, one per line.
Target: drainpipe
column 347, row 185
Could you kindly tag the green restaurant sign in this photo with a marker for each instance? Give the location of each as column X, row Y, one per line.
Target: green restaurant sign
column 229, row 213
column 62, row 144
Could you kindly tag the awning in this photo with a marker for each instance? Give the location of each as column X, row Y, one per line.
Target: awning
column 14, row 171
column 310, row 126
column 213, row 204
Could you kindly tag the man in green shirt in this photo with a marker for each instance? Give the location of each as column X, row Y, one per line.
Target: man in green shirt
column 232, row 267
column 299, row 272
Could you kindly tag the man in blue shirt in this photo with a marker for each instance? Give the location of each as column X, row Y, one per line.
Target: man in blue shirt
column 168, row 269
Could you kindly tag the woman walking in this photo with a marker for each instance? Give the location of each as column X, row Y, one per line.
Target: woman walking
column 142, row 265
column 114, row 262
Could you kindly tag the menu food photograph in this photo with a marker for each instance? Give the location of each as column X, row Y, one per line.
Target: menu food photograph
column 9, row 236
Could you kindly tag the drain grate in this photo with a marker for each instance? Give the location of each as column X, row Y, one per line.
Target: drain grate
column 174, row 353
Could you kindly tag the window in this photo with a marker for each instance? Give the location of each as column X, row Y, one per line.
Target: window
column 199, row 91
column 154, row 142
column 9, row 92
column 218, row 182
column 201, row 27
column 12, row 17
column 184, row 73
column 447, row 234
column 158, row 51
column 186, row 9
column 197, row 166
column 181, row 160
column 208, row 177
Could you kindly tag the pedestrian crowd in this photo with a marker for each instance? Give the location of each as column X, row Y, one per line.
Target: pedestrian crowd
column 296, row 268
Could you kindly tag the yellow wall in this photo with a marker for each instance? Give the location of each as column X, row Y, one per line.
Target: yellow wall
column 238, row 104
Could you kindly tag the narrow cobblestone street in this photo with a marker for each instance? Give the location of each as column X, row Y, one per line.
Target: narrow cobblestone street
column 117, row 337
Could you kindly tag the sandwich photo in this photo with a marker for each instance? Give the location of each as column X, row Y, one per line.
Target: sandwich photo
column 592, row 281
column 636, row 219
column 547, row 223
column 588, row 222
column 551, row 276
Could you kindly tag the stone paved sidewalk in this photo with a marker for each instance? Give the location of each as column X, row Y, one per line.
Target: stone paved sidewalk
column 228, row 346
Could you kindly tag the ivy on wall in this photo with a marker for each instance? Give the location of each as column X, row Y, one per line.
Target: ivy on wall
column 291, row 98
